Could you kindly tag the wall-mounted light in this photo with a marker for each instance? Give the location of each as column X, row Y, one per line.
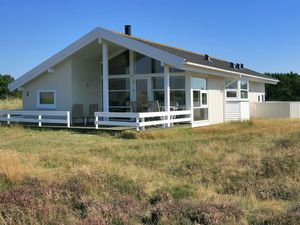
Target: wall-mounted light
column 50, row 70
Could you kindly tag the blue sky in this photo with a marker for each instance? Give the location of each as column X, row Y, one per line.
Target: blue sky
column 262, row 34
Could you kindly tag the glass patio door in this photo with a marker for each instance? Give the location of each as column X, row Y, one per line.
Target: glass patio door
column 142, row 94
column 200, row 106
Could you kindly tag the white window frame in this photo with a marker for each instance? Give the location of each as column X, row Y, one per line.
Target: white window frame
column 240, row 90
column 120, row 76
column 45, row 106
column 205, row 106
column 237, row 91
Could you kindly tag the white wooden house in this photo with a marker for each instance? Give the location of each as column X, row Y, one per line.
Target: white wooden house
column 116, row 71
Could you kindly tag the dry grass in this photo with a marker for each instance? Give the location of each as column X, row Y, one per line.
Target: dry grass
column 236, row 173
column 11, row 103
column 11, row 166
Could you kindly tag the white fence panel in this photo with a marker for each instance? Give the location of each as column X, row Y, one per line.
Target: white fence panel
column 141, row 120
column 39, row 117
column 295, row 110
column 272, row 109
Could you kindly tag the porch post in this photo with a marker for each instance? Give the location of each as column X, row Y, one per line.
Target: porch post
column 105, row 79
column 131, row 71
column 167, row 91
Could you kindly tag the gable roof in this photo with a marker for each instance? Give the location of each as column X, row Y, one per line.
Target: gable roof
column 176, row 57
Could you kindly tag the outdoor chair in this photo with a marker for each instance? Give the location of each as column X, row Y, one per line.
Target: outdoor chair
column 78, row 113
column 92, row 109
column 133, row 106
column 153, row 106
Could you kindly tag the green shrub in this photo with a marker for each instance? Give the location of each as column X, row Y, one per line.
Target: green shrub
column 272, row 166
column 180, row 191
column 5, row 183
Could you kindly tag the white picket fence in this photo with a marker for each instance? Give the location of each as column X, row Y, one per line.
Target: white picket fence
column 39, row 117
column 142, row 120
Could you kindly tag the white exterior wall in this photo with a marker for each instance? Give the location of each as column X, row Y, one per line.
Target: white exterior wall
column 215, row 99
column 256, row 89
column 86, row 86
column 59, row 80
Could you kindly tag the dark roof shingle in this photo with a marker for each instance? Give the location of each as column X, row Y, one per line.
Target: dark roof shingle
column 198, row 58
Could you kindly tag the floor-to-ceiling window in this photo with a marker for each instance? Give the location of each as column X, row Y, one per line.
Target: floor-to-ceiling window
column 152, row 70
column 200, row 99
column 148, row 74
column 119, row 83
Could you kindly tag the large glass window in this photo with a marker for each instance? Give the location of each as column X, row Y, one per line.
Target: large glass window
column 199, row 83
column 177, row 91
column 231, row 88
column 146, row 65
column 158, row 90
column 46, row 99
column 119, row 94
column 119, row 64
column 237, row 89
column 175, row 70
column 244, row 89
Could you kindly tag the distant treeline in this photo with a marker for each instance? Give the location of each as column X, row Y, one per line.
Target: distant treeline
column 4, row 91
column 288, row 89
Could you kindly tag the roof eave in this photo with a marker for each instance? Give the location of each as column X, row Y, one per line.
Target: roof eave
column 226, row 73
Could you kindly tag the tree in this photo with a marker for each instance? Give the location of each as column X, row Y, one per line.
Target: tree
column 4, row 91
column 288, row 88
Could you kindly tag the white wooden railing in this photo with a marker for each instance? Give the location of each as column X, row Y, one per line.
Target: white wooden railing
column 40, row 117
column 142, row 120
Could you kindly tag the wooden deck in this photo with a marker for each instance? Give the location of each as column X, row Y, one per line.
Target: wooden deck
column 77, row 127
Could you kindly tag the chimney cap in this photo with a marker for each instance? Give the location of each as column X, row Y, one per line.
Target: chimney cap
column 127, row 29
column 207, row 57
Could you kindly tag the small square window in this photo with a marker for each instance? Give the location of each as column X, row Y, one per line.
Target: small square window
column 244, row 84
column 46, row 99
column 231, row 94
column 244, row 94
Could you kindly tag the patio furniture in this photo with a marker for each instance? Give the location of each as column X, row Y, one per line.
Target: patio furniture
column 133, row 106
column 153, row 106
column 92, row 109
column 77, row 113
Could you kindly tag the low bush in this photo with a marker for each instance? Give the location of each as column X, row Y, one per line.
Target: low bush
column 274, row 166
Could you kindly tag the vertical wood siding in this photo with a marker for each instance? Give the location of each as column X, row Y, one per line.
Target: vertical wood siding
column 215, row 100
column 86, row 80
column 60, row 81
